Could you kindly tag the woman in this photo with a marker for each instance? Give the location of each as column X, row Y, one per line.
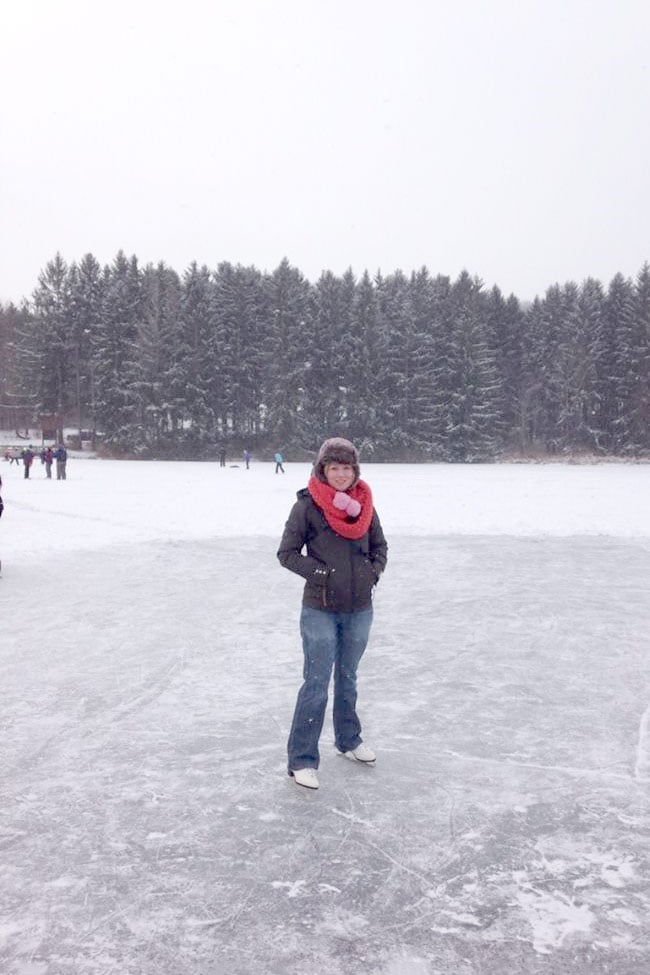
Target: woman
column 334, row 519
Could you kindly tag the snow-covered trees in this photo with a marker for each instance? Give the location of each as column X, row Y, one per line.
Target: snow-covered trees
column 410, row 367
column 47, row 364
column 287, row 310
column 636, row 428
column 159, row 378
column 323, row 394
column 115, row 354
column 232, row 342
column 17, row 401
column 469, row 387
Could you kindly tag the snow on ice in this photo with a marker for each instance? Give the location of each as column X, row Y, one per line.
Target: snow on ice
column 149, row 664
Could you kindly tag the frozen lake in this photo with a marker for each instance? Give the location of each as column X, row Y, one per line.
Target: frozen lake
column 149, row 664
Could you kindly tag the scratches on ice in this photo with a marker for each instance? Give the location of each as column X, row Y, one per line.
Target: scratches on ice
column 642, row 767
column 352, row 818
column 562, row 769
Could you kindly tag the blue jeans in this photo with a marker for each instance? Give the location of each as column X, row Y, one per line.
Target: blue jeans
column 329, row 640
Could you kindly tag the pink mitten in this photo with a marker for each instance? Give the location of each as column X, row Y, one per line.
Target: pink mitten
column 344, row 502
column 354, row 508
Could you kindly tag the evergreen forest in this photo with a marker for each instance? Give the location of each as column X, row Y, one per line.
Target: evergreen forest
column 149, row 363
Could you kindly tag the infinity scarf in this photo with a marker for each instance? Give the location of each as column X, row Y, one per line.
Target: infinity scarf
column 337, row 518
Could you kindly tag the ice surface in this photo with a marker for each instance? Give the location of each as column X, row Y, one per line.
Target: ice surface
column 149, row 664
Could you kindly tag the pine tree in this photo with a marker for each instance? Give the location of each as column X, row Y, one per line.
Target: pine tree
column 7, row 361
column 470, row 387
column 326, row 348
column 240, row 316
column 85, row 283
column 115, row 353
column 365, row 373
column 638, row 375
column 615, row 378
column 46, row 363
column 158, row 381
column 198, row 364
column 16, row 396
column 504, row 326
column 580, row 348
column 431, row 303
column 288, row 305
column 545, row 323
column 398, row 397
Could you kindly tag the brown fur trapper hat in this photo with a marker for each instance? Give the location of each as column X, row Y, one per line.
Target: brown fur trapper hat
column 336, row 450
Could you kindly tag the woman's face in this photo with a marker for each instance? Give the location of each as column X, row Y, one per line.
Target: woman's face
column 339, row 476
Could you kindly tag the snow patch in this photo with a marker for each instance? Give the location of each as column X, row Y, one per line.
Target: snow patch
column 403, row 964
column 553, row 917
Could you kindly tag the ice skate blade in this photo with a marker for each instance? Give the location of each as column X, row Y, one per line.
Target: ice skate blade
column 300, row 794
column 358, row 761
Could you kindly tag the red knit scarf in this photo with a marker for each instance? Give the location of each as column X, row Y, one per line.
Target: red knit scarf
column 323, row 497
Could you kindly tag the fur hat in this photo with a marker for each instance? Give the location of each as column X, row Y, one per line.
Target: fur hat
column 336, row 450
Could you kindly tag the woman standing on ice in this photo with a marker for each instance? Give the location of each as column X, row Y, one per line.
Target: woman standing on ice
column 334, row 519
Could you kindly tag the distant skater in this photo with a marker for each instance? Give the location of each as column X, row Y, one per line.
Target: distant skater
column 335, row 521
column 48, row 458
column 247, row 458
column 279, row 461
column 61, row 457
column 28, row 460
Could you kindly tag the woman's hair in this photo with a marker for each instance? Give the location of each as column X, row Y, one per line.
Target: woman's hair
column 336, row 450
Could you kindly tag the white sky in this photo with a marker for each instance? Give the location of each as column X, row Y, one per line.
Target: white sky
column 509, row 138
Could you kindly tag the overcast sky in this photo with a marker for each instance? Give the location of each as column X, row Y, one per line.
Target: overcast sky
column 507, row 137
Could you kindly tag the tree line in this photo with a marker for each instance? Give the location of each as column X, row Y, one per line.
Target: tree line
column 410, row 367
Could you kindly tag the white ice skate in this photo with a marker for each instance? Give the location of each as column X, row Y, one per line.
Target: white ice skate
column 361, row 754
column 306, row 777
